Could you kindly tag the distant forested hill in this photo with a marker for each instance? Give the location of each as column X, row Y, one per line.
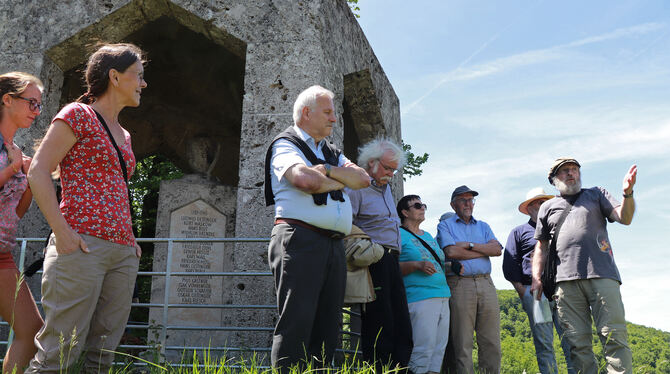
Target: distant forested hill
column 651, row 347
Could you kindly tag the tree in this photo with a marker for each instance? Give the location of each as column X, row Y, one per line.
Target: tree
column 144, row 186
column 413, row 165
column 353, row 4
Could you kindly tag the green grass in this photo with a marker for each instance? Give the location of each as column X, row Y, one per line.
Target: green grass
column 204, row 363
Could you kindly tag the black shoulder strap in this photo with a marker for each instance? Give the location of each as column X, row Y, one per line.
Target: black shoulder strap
column 571, row 201
column 124, row 169
column 116, row 147
column 428, row 247
column 331, row 154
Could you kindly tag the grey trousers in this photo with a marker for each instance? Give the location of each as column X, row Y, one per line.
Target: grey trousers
column 310, row 276
column 579, row 300
column 86, row 299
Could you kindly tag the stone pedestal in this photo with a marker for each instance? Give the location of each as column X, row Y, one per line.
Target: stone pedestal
column 193, row 207
column 196, row 220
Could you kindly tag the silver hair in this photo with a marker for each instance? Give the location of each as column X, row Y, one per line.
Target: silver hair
column 375, row 149
column 307, row 98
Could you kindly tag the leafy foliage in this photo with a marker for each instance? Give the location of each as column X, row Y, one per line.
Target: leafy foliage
column 353, row 4
column 414, row 162
column 650, row 347
column 144, row 186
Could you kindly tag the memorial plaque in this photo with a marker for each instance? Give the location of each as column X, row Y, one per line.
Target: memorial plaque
column 196, row 220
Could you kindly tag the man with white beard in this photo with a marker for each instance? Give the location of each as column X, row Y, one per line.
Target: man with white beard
column 587, row 279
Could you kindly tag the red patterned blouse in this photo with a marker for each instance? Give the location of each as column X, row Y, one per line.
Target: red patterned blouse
column 94, row 198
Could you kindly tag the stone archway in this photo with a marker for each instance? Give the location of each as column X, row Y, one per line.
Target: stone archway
column 191, row 112
column 363, row 119
column 361, row 113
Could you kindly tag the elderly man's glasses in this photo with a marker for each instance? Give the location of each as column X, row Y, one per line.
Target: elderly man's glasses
column 33, row 104
column 465, row 201
column 419, row 206
column 388, row 169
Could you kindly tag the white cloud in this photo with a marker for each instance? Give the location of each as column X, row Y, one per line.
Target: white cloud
column 616, row 34
column 528, row 58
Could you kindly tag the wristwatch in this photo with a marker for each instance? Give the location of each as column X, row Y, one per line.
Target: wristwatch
column 471, row 246
column 327, row 167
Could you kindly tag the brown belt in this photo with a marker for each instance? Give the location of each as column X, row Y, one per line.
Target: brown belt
column 469, row 276
column 325, row 232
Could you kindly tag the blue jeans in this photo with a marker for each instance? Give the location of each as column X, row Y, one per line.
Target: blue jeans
column 543, row 338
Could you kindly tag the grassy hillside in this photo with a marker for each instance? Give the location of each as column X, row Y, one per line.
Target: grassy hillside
column 651, row 347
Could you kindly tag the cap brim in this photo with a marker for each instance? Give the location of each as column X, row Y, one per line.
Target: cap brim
column 474, row 193
column 554, row 169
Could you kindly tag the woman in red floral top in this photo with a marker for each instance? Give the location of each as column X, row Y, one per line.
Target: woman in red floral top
column 92, row 258
column 21, row 96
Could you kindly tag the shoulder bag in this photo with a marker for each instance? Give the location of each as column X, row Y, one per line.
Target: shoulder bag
column 428, row 247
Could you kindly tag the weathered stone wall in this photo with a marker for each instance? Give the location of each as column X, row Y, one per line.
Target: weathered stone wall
column 285, row 46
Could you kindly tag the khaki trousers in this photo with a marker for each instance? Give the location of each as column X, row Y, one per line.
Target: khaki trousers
column 86, row 299
column 474, row 308
column 577, row 301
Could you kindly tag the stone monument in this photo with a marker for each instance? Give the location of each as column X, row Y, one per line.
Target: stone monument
column 222, row 77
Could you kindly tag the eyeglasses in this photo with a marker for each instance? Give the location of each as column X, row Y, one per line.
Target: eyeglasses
column 418, row 206
column 387, row 168
column 465, row 201
column 33, row 104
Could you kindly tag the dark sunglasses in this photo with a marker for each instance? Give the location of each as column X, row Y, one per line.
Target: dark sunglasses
column 418, row 206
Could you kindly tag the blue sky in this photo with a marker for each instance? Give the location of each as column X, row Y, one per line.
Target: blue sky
column 494, row 91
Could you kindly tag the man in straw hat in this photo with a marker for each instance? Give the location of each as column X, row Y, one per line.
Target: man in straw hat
column 517, row 262
column 587, row 279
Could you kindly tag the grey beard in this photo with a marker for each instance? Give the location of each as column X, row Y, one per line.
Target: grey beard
column 564, row 189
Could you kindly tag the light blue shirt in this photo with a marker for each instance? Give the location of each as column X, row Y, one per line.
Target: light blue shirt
column 454, row 229
column 419, row 285
column 290, row 202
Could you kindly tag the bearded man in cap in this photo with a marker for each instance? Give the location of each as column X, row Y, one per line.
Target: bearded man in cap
column 474, row 303
column 587, row 279
column 517, row 264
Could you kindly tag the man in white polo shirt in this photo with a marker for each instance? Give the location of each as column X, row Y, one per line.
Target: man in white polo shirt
column 304, row 178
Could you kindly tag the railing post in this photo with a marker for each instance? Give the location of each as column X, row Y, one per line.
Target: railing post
column 166, row 299
column 22, row 255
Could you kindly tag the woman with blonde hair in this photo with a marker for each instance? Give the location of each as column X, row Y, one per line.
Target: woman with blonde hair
column 92, row 258
column 21, row 96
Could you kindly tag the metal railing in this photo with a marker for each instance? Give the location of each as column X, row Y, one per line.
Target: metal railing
column 165, row 306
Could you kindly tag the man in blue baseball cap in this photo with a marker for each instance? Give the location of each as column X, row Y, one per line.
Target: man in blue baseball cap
column 474, row 303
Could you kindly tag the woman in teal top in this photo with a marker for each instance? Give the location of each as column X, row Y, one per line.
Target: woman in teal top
column 426, row 287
